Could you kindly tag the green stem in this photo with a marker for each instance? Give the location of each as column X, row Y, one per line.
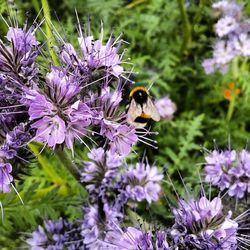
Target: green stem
column 230, row 109
column 48, row 28
column 36, row 5
column 235, row 73
column 186, row 27
column 72, row 168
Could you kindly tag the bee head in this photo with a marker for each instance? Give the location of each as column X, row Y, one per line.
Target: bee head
column 139, row 94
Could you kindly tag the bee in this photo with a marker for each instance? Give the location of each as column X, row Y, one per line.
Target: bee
column 141, row 108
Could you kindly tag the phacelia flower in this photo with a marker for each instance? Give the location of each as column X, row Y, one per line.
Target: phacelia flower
column 96, row 223
column 202, row 224
column 57, row 114
column 57, row 235
column 229, row 170
column 100, row 172
column 95, row 56
column 5, row 176
column 135, row 239
column 143, row 182
column 166, row 107
column 233, row 33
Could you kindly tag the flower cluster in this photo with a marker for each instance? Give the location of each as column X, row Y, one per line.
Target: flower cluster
column 57, row 235
column 82, row 97
column 229, row 170
column 135, row 238
column 18, row 72
column 166, row 107
column 111, row 184
column 143, row 182
column 202, row 224
column 232, row 30
column 14, row 155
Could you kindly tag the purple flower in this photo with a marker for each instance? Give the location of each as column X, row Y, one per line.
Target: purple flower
column 232, row 31
column 165, row 107
column 143, row 182
column 133, row 238
column 57, row 235
column 238, row 189
column 19, row 62
column 58, row 115
column 101, row 174
column 22, row 40
column 5, row 176
column 50, row 130
column 209, row 65
column 229, row 8
column 123, row 140
column 201, row 224
column 95, row 225
column 226, row 25
column 242, row 44
column 96, row 54
column 229, row 170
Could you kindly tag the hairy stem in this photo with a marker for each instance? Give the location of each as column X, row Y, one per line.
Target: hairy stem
column 48, row 28
column 66, row 162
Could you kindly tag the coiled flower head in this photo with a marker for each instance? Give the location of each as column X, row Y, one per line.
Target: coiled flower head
column 202, row 224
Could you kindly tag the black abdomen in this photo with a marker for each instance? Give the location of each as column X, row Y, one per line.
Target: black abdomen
column 141, row 119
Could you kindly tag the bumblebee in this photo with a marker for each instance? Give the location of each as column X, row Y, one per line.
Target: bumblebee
column 141, row 108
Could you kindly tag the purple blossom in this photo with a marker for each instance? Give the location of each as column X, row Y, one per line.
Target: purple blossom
column 102, row 178
column 165, row 107
column 242, row 44
column 134, row 238
column 232, row 31
column 229, row 170
column 50, row 130
column 123, row 140
column 22, row 40
column 201, row 224
column 5, row 176
column 229, row 8
column 22, row 56
column 226, row 25
column 143, row 182
column 56, row 235
column 95, row 55
column 57, row 114
column 96, row 224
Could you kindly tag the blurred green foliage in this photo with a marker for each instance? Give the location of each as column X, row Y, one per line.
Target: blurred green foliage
column 168, row 40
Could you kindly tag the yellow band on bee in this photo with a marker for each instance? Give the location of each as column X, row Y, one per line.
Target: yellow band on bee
column 144, row 115
column 136, row 89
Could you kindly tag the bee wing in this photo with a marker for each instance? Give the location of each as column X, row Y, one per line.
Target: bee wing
column 134, row 110
column 150, row 109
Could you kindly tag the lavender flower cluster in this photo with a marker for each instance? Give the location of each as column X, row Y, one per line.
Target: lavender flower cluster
column 57, row 235
column 202, row 224
column 166, row 107
column 199, row 224
column 232, row 30
column 229, row 170
column 111, row 184
column 18, row 72
column 80, row 100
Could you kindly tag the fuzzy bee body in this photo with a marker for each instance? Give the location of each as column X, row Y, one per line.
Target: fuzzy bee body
column 141, row 108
